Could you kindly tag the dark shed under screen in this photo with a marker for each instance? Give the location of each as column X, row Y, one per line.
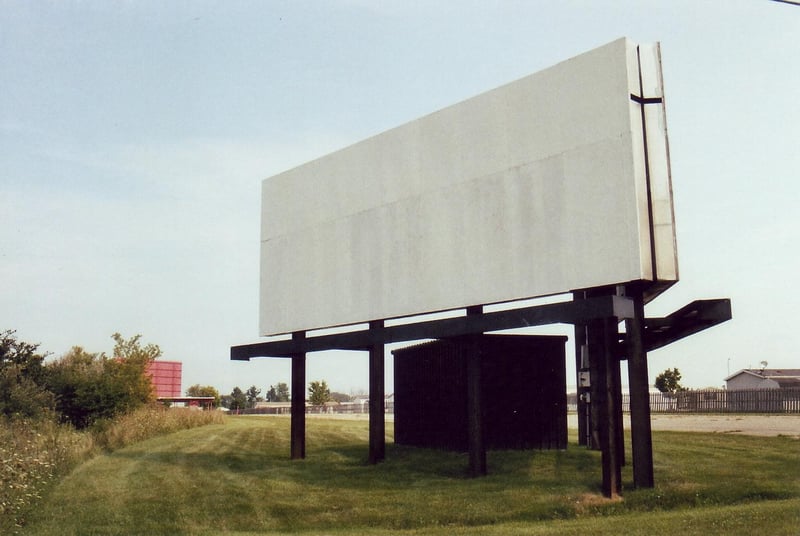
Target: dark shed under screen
column 523, row 392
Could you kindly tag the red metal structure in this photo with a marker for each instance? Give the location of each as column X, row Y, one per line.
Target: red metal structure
column 166, row 377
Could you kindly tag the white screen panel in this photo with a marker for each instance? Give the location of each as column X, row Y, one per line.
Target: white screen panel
column 534, row 188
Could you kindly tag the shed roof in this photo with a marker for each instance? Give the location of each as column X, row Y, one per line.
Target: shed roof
column 782, row 376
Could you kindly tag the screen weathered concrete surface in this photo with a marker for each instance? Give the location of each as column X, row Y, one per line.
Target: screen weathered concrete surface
column 535, row 188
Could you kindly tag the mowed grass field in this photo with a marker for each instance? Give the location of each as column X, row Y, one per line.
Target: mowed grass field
column 236, row 479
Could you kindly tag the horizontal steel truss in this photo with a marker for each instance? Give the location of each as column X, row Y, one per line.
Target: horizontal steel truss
column 697, row 316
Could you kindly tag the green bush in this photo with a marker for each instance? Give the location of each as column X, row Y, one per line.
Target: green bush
column 22, row 393
column 89, row 386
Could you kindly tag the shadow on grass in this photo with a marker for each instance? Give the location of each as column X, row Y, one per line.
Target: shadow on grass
column 346, row 467
column 692, row 471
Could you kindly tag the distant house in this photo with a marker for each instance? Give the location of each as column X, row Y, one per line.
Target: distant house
column 763, row 379
column 273, row 408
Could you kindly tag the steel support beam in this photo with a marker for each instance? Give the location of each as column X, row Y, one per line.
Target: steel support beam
column 639, row 390
column 688, row 320
column 611, row 429
column 602, row 341
column 570, row 312
column 614, row 366
column 377, row 396
column 298, row 432
column 477, row 442
column 582, row 378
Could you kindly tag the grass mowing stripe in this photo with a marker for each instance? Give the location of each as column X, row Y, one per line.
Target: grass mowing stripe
column 237, row 479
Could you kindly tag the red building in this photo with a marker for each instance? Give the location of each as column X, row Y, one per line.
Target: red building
column 166, row 377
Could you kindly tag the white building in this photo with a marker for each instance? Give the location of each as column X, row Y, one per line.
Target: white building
column 763, row 379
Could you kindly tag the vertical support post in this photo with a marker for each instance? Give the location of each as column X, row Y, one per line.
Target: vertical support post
column 477, row 443
column 616, row 389
column 298, row 433
column 582, row 375
column 597, row 388
column 638, row 385
column 603, row 339
column 614, row 364
column 377, row 395
column 610, row 433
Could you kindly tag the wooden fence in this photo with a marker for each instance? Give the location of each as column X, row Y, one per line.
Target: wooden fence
column 718, row 401
column 700, row 401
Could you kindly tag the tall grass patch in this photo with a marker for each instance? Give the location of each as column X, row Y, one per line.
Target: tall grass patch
column 32, row 454
column 150, row 421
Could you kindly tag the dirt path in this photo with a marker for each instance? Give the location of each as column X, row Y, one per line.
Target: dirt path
column 759, row 425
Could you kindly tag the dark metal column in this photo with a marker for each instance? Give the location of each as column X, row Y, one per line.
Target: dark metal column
column 298, row 440
column 582, row 378
column 610, row 431
column 477, row 443
column 616, row 389
column 602, row 342
column 377, row 395
column 597, row 374
column 641, row 433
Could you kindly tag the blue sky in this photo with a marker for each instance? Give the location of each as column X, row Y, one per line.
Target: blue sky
column 134, row 137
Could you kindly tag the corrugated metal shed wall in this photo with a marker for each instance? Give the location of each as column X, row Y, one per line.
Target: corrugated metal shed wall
column 523, row 383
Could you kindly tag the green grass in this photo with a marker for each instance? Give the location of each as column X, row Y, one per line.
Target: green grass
column 36, row 453
column 236, row 479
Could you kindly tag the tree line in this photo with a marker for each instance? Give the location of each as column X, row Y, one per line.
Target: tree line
column 79, row 387
column 239, row 399
column 83, row 387
column 318, row 394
